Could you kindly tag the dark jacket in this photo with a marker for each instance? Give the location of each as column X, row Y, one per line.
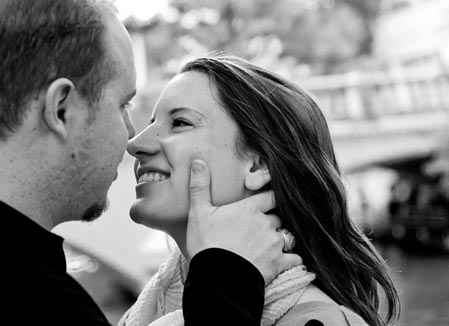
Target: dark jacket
column 41, row 291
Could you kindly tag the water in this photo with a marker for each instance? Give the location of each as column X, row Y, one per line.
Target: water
column 422, row 280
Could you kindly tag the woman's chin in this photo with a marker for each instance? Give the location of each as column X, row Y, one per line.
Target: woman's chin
column 141, row 213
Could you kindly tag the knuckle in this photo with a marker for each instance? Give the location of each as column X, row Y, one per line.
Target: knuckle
column 197, row 184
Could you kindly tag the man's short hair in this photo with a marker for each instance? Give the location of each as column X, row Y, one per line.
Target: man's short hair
column 43, row 40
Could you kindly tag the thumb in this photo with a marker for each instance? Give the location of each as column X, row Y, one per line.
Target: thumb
column 199, row 185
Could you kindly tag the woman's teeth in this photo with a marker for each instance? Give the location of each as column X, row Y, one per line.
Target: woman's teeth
column 153, row 177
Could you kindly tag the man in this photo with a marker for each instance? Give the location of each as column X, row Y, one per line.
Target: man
column 66, row 78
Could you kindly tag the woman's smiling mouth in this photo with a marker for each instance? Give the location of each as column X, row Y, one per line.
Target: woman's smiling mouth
column 152, row 177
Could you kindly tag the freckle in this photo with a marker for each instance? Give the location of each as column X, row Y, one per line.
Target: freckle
column 11, row 161
column 157, row 135
column 226, row 145
column 73, row 155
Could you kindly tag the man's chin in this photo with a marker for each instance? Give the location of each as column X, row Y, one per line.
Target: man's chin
column 95, row 211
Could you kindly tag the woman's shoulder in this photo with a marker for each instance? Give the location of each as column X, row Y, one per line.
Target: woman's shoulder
column 316, row 308
column 320, row 313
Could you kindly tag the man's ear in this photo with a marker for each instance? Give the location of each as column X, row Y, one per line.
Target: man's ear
column 57, row 100
column 258, row 175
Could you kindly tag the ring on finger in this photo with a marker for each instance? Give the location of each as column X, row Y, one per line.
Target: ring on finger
column 289, row 240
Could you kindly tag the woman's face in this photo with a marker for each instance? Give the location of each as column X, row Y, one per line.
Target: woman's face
column 187, row 123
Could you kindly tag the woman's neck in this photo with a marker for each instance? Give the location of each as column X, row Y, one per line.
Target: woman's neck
column 179, row 234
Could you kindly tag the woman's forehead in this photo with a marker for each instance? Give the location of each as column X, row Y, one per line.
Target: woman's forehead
column 190, row 90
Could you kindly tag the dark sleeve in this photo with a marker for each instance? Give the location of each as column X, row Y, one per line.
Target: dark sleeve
column 41, row 297
column 222, row 288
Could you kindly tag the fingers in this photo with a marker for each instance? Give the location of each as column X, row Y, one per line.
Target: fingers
column 275, row 222
column 199, row 185
column 263, row 201
column 282, row 263
column 289, row 261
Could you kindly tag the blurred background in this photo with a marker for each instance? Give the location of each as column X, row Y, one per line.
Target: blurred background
column 379, row 70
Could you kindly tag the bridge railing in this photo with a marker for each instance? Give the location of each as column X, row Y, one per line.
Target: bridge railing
column 358, row 97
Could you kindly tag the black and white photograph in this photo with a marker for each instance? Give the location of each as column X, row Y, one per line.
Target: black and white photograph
column 225, row 162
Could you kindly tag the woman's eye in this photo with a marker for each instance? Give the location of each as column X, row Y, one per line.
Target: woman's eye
column 181, row 123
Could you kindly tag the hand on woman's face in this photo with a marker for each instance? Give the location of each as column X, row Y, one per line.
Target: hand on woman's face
column 187, row 123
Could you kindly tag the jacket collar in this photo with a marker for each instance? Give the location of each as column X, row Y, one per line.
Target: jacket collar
column 29, row 241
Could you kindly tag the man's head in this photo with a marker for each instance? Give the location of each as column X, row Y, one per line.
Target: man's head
column 67, row 76
column 42, row 40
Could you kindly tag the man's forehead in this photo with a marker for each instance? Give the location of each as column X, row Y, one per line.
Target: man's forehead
column 119, row 46
column 107, row 4
column 116, row 35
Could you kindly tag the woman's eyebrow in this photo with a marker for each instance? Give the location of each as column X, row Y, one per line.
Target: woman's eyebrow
column 178, row 110
column 185, row 109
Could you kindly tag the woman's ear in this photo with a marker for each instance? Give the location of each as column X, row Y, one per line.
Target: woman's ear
column 258, row 175
column 57, row 101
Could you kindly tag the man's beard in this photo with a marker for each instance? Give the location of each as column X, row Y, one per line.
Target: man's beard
column 95, row 211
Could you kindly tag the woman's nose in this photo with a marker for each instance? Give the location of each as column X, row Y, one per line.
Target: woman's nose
column 145, row 143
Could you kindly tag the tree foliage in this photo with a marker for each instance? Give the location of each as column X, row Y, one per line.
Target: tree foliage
column 319, row 35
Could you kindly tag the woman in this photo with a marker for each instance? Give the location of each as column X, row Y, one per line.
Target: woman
column 256, row 131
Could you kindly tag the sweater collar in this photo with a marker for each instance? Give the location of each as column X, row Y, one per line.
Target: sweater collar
column 162, row 297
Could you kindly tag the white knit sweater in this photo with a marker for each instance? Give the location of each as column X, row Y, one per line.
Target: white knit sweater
column 159, row 304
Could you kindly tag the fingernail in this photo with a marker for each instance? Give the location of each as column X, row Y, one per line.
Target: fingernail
column 197, row 166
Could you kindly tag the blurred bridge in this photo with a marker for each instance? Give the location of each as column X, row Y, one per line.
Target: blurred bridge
column 383, row 117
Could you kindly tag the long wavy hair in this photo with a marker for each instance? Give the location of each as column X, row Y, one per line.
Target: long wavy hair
column 281, row 122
